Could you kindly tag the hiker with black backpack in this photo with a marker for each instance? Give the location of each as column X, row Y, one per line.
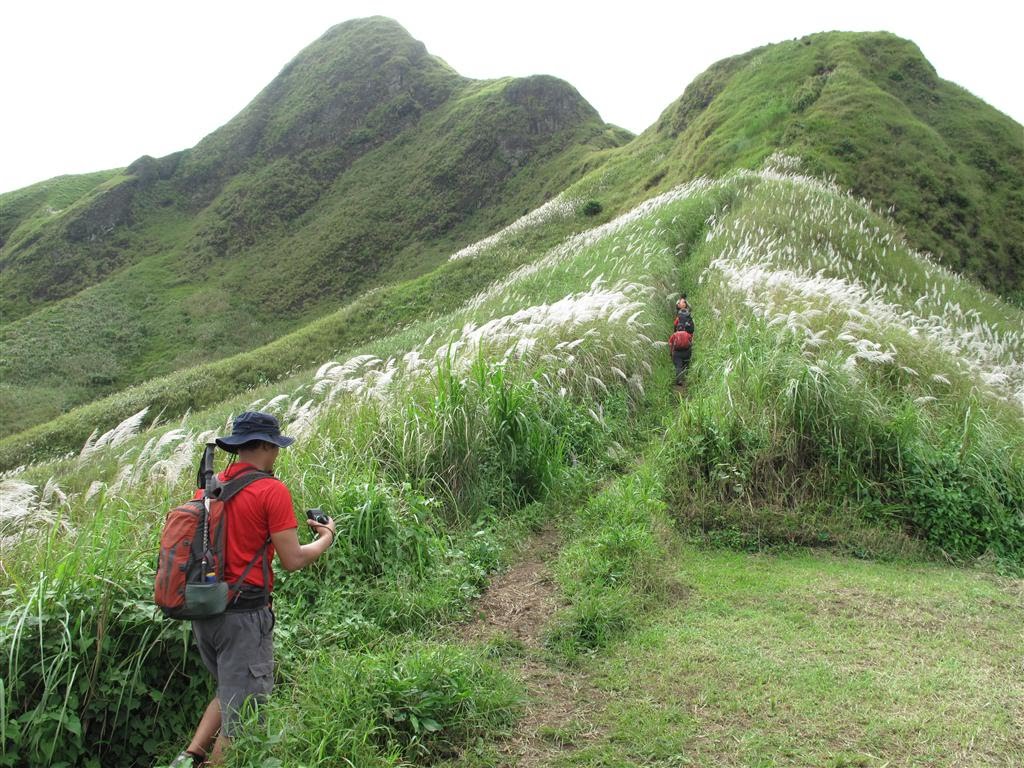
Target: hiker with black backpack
column 215, row 569
column 684, row 319
column 680, row 343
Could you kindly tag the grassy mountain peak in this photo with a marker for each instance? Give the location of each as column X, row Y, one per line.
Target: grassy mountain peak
column 365, row 160
column 356, row 87
column 869, row 110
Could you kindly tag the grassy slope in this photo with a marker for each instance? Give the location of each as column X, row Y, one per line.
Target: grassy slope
column 484, row 442
column 268, row 224
column 154, row 321
column 869, row 110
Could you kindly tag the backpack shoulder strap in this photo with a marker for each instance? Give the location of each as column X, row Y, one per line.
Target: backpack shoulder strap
column 227, row 490
column 236, row 587
column 230, row 488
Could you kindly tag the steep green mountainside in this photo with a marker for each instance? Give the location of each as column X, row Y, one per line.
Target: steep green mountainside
column 870, row 111
column 365, row 160
column 849, row 399
column 172, row 312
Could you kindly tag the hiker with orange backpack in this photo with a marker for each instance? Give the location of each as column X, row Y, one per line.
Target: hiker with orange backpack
column 239, row 519
column 680, row 343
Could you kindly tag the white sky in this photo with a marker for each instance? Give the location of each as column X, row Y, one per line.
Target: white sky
column 94, row 84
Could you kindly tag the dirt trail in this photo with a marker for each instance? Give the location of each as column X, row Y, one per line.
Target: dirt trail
column 521, row 600
column 518, row 605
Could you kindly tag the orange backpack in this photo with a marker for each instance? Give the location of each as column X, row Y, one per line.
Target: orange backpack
column 680, row 340
column 190, row 568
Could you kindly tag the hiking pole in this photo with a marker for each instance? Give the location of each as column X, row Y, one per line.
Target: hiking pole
column 206, row 469
column 207, row 481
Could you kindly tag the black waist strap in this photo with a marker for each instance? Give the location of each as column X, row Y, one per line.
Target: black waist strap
column 248, row 601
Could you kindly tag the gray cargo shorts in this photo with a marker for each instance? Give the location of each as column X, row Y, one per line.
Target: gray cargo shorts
column 238, row 649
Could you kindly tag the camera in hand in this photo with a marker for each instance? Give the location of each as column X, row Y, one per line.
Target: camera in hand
column 317, row 515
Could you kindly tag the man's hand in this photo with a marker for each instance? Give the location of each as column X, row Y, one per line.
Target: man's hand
column 293, row 555
column 319, row 528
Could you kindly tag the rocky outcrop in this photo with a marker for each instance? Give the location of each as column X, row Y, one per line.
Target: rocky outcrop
column 552, row 104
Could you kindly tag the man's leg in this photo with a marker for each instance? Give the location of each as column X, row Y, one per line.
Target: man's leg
column 203, row 741
column 204, row 632
column 217, row 755
column 245, row 670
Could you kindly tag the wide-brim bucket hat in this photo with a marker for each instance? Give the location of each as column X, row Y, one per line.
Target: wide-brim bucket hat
column 254, row 425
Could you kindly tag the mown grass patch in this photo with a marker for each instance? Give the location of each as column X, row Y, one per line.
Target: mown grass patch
column 810, row 659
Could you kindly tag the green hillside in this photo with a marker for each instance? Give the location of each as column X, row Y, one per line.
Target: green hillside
column 278, row 223
column 822, row 411
column 151, row 319
column 366, row 160
column 810, row 554
column 870, row 111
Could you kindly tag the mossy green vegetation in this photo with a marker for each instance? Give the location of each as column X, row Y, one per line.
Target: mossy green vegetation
column 269, row 224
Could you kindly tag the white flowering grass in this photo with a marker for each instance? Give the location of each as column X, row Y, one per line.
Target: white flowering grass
column 819, row 264
column 585, row 316
column 27, row 510
column 114, row 437
column 560, row 207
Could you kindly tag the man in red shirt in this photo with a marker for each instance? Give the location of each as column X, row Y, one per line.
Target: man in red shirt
column 238, row 645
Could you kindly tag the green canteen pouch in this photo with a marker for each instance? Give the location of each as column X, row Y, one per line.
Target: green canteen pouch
column 203, row 600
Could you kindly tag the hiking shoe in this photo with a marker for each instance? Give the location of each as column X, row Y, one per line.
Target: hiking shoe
column 187, row 760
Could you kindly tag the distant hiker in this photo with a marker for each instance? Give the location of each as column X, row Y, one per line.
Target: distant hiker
column 237, row 646
column 680, row 343
column 683, row 320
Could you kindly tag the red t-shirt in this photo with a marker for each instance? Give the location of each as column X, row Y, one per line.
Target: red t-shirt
column 255, row 512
